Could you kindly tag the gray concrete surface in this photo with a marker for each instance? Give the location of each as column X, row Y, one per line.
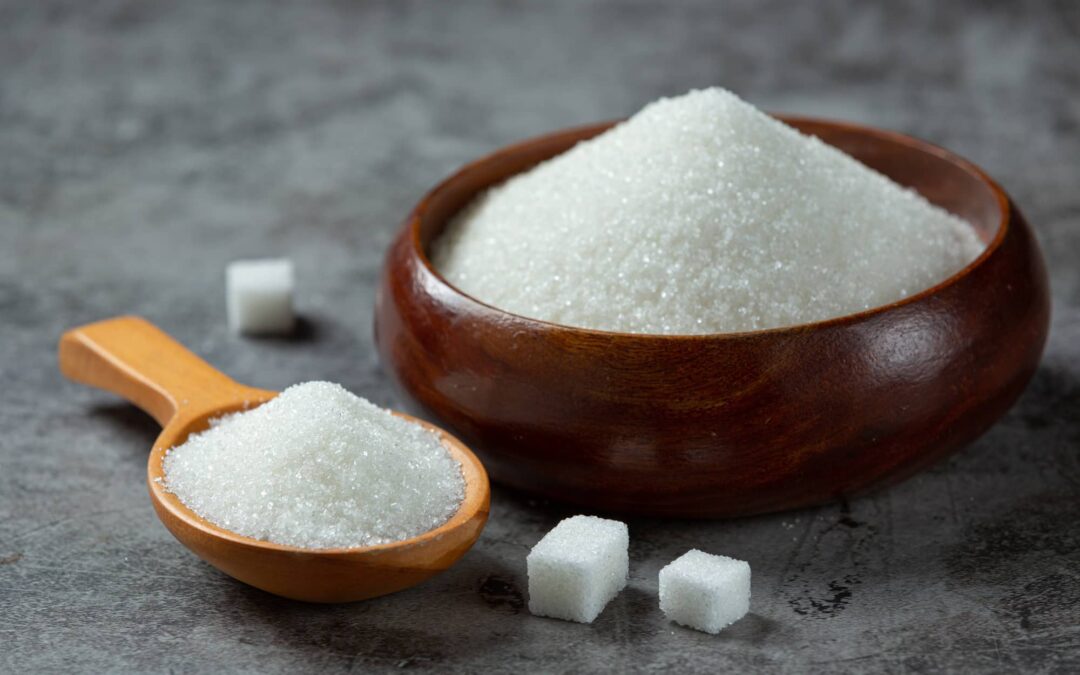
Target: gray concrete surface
column 144, row 144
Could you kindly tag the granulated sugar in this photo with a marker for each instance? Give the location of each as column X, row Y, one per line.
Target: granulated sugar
column 317, row 467
column 700, row 214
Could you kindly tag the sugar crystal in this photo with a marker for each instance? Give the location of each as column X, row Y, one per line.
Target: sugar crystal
column 700, row 214
column 317, row 467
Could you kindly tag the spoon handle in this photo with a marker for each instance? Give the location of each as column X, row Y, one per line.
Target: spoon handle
column 132, row 357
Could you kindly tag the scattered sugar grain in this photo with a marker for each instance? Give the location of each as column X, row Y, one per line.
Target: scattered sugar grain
column 700, row 214
column 578, row 567
column 317, row 467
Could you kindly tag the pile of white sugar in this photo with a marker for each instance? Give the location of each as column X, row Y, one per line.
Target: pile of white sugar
column 317, row 467
column 700, row 214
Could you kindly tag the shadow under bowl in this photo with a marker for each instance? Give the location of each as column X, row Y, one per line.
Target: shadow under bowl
column 725, row 424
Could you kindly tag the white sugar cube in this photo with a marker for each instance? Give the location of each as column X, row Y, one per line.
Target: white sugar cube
column 704, row 591
column 577, row 568
column 259, row 296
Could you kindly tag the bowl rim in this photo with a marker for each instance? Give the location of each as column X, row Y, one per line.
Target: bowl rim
column 419, row 213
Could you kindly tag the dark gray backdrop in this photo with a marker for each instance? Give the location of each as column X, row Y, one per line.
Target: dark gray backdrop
column 143, row 145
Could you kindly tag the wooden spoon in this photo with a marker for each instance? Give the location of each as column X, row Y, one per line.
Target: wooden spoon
column 135, row 359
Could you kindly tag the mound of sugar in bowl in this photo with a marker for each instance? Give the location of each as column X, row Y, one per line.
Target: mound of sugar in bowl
column 700, row 214
column 317, row 467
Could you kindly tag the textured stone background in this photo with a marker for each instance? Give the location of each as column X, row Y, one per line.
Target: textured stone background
column 143, row 145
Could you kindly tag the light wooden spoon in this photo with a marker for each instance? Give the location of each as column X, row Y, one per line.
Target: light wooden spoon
column 135, row 359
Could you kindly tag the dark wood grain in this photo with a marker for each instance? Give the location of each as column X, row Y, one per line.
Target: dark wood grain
column 729, row 424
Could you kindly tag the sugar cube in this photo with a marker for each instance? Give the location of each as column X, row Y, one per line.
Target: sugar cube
column 259, row 296
column 578, row 567
column 704, row 591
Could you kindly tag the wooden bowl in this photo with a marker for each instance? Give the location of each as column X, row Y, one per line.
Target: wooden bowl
column 725, row 424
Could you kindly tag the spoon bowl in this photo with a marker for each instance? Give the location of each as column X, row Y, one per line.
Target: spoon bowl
column 133, row 358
